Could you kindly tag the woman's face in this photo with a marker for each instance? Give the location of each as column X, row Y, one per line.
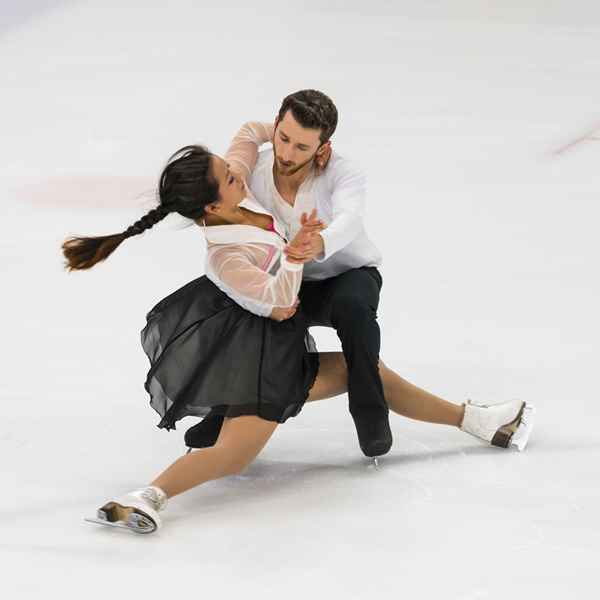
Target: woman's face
column 231, row 187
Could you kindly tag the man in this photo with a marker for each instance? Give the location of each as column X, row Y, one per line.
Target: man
column 341, row 282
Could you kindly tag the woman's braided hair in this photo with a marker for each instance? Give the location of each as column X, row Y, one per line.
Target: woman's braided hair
column 186, row 186
column 147, row 221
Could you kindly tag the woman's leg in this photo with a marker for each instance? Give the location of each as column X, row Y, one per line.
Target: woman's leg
column 411, row 401
column 240, row 441
column 402, row 397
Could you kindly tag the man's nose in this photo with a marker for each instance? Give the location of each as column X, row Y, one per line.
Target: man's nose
column 286, row 155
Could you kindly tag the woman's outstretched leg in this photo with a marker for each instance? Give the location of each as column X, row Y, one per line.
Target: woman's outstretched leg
column 507, row 424
column 402, row 397
column 408, row 400
column 239, row 443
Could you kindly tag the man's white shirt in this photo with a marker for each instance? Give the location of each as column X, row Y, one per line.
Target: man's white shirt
column 339, row 195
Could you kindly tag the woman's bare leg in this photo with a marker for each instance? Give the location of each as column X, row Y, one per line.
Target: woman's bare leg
column 242, row 438
column 411, row 401
column 402, row 397
column 240, row 441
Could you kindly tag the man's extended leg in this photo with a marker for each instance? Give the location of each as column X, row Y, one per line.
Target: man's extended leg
column 348, row 303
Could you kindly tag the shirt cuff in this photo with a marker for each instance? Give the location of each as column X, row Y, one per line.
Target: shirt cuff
column 290, row 266
column 323, row 256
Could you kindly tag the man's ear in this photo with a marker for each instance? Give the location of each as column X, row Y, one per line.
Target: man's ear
column 276, row 121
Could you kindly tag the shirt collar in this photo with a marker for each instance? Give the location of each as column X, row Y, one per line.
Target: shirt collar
column 240, row 234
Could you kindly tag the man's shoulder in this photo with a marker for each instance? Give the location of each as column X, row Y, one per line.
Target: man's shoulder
column 340, row 166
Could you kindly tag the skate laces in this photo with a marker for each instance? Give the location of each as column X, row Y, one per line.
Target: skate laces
column 154, row 495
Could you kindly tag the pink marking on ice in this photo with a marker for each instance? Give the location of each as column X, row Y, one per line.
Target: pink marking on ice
column 88, row 191
column 590, row 135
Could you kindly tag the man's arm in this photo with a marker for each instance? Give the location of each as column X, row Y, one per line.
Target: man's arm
column 243, row 149
column 348, row 207
column 348, row 204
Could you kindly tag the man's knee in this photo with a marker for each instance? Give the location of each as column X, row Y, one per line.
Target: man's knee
column 353, row 311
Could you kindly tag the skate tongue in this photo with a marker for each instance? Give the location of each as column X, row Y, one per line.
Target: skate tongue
column 152, row 494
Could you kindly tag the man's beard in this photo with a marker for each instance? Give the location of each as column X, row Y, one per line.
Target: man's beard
column 288, row 171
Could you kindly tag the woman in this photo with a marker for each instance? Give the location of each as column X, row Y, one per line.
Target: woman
column 208, row 353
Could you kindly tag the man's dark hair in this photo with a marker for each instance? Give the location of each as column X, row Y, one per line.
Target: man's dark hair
column 313, row 110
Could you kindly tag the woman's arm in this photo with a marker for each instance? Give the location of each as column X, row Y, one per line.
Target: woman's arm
column 243, row 149
column 233, row 265
column 236, row 267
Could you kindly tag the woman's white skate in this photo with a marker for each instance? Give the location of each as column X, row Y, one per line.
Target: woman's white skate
column 508, row 424
column 137, row 511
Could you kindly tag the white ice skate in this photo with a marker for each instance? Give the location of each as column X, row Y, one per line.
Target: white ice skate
column 507, row 424
column 136, row 510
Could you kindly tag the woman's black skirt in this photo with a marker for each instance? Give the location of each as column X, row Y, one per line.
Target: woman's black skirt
column 207, row 352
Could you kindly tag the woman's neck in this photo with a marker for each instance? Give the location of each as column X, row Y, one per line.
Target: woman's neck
column 243, row 217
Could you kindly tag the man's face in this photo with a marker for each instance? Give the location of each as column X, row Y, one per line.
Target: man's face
column 294, row 146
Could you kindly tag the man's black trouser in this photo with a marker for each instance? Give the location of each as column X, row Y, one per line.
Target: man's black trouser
column 348, row 302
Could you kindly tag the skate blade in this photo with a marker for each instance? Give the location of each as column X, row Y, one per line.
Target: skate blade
column 520, row 437
column 113, row 514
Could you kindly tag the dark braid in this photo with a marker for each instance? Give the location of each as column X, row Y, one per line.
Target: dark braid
column 147, row 221
column 85, row 252
column 186, row 186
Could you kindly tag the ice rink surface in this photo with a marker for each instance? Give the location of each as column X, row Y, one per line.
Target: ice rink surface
column 479, row 128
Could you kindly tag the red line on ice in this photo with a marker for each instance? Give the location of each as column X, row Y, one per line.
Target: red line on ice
column 588, row 136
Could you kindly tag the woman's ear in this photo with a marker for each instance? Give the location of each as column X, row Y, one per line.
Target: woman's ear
column 212, row 208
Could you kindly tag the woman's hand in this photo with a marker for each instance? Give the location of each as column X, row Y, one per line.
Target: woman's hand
column 304, row 247
column 322, row 157
column 280, row 313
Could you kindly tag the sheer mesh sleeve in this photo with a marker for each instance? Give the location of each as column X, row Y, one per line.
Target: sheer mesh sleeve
column 235, row 267
column 243, row 149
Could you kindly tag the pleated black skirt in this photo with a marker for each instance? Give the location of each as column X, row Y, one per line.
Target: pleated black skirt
column 207, row 352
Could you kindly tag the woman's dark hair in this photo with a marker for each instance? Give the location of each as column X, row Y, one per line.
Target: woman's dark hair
column 313, row 110
column 186, row 186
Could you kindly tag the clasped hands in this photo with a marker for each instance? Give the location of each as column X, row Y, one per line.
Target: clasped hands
column 307, row 244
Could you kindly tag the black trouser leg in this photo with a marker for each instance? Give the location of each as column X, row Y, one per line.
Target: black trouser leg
column 348, row 303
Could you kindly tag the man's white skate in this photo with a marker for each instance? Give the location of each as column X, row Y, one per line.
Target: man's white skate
column 508, row 424
column 137, row 511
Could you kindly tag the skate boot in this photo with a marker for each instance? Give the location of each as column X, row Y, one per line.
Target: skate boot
column 503, row 425
column 136, row 510
column 205, row 433
column 374, row 435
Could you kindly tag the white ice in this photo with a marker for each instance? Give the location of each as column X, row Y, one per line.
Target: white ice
column 479, row 126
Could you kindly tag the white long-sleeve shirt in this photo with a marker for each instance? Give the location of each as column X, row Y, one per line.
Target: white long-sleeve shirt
column 338, row 194
column 248, row 264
